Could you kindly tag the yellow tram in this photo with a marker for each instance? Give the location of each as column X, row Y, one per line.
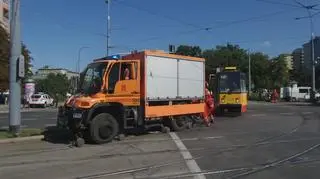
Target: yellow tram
column 230, row 92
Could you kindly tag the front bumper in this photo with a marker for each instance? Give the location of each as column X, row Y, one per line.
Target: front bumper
column 36, row 103
column 70, row 117
column 230, row 106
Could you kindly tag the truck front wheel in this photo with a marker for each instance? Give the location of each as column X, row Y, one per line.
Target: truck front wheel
column 103, row 128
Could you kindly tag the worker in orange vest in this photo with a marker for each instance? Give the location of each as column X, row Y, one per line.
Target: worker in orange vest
column 274, row 96
column 208, row 108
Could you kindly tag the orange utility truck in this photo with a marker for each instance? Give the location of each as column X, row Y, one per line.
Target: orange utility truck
column 135, row 92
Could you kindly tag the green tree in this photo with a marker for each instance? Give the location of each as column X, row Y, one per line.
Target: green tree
column 56, row 85
column 228, row 55
column 4, row 59
column 194, row 51
column 265, row 73
column 260, row 74
column 279, row 72
column 299, row 77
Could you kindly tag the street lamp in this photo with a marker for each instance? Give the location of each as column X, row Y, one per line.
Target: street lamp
column 78, row 61
column 108, row 2
column 78, row 64
column 249, row 59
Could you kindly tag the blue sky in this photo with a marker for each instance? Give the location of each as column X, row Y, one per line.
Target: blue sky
column 55, row 30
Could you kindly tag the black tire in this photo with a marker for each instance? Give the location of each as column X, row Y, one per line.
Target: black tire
column 179, row 123
column 103, row 128
column 165, row 129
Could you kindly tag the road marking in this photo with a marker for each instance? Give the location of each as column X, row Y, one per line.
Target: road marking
column 286, row 113
column 258, row 115
column 307, row 112
column 29, row 119
column 50, row 125
column 201, row 138
column 216, row 137
column 191, row 163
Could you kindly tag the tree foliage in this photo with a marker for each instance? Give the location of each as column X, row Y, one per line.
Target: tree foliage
column 194, row 51
column 279, row 72
column 4, row 59
column 265, row 72
column 56, row 85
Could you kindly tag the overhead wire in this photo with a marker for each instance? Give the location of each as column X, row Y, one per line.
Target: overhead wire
column 297, row 4
column 159, row 15
column 222, row 25
column 279, row 3
column 197, row 28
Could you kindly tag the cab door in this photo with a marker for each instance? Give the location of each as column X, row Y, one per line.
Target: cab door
column 123, row 82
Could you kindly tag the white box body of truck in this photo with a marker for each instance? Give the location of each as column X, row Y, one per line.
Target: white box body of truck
column 174, row 79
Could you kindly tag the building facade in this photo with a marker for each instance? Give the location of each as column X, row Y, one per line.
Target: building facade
column 4, row 14
column 73, row 77
column 42, row 73
column 289, row 61
column 298, row 59
column 308, row 54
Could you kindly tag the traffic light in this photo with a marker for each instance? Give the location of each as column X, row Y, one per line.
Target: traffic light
column 172, row 49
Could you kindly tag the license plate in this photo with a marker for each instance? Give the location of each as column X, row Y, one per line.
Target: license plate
column 77, row 115
column 230, row 101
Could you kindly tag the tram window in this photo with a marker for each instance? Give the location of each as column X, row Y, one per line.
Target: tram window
column 230, row 82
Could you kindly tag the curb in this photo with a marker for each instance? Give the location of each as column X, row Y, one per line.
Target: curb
column 21, row 139
column 29, row 110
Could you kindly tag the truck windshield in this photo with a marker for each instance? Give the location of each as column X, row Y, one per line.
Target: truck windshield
column 229, row 82
column 91, row 78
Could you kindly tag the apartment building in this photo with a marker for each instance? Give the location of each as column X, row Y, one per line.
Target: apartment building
column 4, row 14
column 308, row 55
column 298, row 59
column 289, row 61
column 44, row 72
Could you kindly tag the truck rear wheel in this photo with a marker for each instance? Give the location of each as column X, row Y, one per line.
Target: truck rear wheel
column 179, row 123
column 103, row 128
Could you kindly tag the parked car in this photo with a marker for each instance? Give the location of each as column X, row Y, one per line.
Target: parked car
column 42, row 100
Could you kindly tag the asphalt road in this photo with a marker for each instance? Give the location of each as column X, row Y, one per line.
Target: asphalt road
column 269, row 141
column 37, row 118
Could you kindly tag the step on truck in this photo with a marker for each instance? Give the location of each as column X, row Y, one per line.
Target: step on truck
column 135, row 92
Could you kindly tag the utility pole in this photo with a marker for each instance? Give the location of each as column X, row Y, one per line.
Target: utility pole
column 14, row 80
column 249, row 56
column 310, row 17
column 108, row 25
